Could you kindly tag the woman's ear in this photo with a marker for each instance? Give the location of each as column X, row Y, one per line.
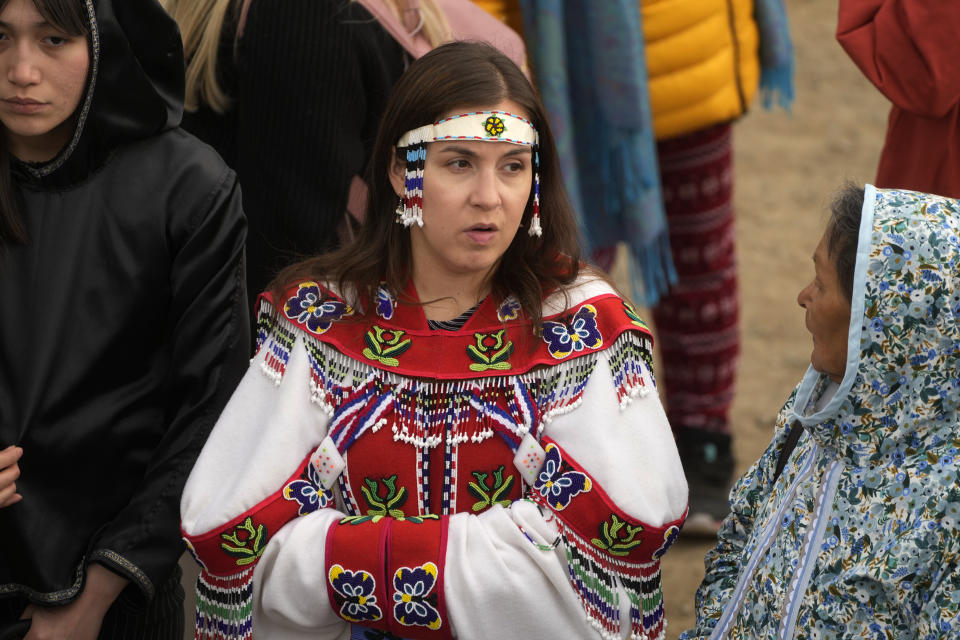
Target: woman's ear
column 397, row 172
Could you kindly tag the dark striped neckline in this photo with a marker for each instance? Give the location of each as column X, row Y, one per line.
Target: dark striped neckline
column 455, row 324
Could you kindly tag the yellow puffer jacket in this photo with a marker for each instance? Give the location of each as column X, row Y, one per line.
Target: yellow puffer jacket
column 702, row 60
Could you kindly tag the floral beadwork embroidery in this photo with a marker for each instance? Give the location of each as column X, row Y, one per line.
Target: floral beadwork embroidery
column 307, row 492
column 385, row 303
column 509, row 310
column 573, row 334
column 494, row 126
column 382, row 506
column 635, row 318
column 355, row 590
column 557, row 486
column 246, row 542
column 669, row 537
column 486, row 495
column 415, row 601
column 617, row 537
column 490, row 351
column 384, row 345
column 313, row 310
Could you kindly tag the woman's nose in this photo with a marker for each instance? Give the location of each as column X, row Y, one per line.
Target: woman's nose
column 23, row 70
column 804, row 296
column 485, row 193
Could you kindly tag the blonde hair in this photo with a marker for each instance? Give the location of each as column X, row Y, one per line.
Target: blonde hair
column 201, row 25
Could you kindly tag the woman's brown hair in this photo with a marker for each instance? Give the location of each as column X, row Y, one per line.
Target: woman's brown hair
column 455, row 76
column 69, row 16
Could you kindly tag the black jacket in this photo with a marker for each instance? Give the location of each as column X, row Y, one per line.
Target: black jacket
column 123, row 327
column 308, row 82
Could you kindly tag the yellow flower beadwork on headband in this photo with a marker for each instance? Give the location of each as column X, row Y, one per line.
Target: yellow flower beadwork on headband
column 494, row 126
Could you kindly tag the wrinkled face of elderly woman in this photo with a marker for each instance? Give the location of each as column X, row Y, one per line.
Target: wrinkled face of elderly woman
column 827, row 314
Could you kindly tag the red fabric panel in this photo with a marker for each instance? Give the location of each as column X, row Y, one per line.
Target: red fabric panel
column 416, row 556
column 387, row 574
column 354, row 569
column 909, row 50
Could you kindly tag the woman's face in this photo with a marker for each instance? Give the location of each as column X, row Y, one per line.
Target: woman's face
column 828, row 315
column 474, row 196
column 44, row 73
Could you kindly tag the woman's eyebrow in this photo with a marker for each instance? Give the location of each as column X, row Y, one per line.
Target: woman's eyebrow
column 473, row 154
column 461, row 150
column 36, row 25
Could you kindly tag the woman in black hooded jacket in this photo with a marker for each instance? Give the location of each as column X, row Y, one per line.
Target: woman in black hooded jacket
column 122, row 328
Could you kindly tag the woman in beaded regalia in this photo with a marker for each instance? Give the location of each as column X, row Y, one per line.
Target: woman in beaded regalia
column 450, row 427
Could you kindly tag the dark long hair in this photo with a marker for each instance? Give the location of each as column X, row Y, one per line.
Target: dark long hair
column 69, row 16
column 464, row 76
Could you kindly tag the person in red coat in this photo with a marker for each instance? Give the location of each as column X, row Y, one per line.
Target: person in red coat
column 911, row 52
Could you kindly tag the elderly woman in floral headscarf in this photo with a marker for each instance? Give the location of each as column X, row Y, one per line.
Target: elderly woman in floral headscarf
column 848, row 526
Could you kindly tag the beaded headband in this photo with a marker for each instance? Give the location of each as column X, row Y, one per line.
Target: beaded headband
column 490, row 126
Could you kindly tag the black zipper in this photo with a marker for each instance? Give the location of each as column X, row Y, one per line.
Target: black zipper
column 731, row 20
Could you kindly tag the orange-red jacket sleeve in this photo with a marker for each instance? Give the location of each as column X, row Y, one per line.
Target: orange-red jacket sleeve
column 909, row 49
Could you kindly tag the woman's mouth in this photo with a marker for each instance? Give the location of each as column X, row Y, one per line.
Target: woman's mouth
column 23, row 105
column 482, row 233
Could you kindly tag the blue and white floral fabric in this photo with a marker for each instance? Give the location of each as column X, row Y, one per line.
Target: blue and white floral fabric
column 860, row 535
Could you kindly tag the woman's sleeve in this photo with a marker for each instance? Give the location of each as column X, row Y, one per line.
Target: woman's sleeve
column 724, row 561
column 207, row 346
column 606, row 488
column 909, row 50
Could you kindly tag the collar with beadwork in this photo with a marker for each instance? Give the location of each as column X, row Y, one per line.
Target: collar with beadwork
column 497, row 340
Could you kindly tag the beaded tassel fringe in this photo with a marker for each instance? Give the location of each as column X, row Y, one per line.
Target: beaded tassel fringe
column 416, row 155
column 594, row 576
column 225, row 606
column 535, row 228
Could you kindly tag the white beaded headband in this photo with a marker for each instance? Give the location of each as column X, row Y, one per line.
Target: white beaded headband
column 489, row 126
column 492, row 126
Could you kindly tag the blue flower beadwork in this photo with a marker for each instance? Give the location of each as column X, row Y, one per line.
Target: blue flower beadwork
column 312, row 309
column 576, row 334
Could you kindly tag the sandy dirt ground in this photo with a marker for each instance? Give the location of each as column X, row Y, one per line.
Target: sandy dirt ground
column 786, row 167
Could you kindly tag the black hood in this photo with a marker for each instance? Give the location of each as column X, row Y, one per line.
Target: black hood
column 134, row 88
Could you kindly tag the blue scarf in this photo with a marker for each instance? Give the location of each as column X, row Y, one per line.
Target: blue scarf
column 589, row 62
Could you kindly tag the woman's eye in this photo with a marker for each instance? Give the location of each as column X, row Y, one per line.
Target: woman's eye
column 459, row 163
column 56, row 41
column 514, row 167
